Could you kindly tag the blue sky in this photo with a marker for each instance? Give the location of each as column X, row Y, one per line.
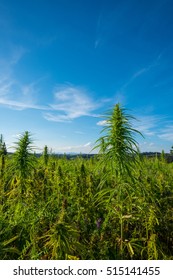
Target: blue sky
column 64, row 63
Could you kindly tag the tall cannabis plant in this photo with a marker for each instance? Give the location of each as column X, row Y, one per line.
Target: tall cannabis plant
column 46, row 155
column 3, row 149
column 3, row 153
column 118, row 145
column 23, row 157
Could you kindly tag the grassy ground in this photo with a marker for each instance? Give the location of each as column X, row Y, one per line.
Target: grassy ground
column 80, row 209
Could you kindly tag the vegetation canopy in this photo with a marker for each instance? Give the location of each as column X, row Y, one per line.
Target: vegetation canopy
column 93, row 208
column 118, row 145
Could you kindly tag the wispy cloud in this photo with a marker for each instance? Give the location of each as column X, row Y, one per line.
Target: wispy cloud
column 139, row 73
column 7, row 62
column 18, row 96
column 79, row 132
column 84, row 148
column 87, row 144
column 102, row 123
column 97, row 43
column 71, row 102
column 17, row 54
column 148, row 146
column 5, row 85
column 13, row 93
column 147, row 125
column 98, row 31
column 121, row 95
column 17, row 105
column 166, row 133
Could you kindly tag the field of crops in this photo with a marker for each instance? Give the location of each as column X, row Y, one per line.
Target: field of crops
column 103, row 207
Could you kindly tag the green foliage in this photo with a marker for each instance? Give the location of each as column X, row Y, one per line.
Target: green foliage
column 45, row 155
column 66, row 212
column 56, row 208
column 118, row 146
column 23, row 157
column 3, row 149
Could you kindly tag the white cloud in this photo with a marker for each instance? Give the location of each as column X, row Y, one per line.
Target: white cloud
column 167, row 136
column 17, row 54
column 151, row 144
column 98, row 38
column 87, row 144
column 148, row 146
column 102, row 123
column 83, row 148
column 71, row 102
column 79, row 132
column 18, row 96
column 17, row 105
column 56, row 118
column 19, row 99
column 8, row 62
column 120, row 96
column 147, row 124
column 141, row 71
column 5, row 86
column 166, row 133
column 13, row 93
column 16, row 135
column 137, row 74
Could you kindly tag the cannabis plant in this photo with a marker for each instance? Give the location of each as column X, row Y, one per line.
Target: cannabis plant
column 3, row 149
column 23, row 161
column 118, row 145
column 46, row 155
column 23, row 157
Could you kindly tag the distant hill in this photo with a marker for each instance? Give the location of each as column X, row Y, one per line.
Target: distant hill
column 168, row 157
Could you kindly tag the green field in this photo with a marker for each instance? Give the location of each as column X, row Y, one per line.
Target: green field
column 115, row 205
